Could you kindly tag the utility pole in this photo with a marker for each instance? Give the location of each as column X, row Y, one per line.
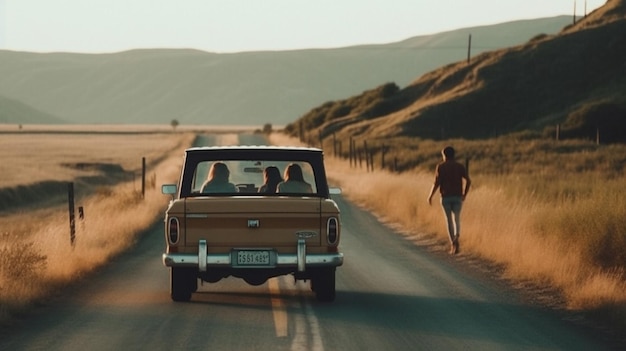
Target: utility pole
column 469, row 49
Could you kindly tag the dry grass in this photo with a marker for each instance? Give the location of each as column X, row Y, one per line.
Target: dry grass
column 555, row 228
column 40, row 157
column 37, row 256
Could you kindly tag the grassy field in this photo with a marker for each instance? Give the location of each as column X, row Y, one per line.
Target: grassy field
column 553, row 214
column 36, row 256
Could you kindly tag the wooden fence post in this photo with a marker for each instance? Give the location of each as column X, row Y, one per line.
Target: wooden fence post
column 558, row 132
column 351, row 156
column 321, row 139
column 70, row 202
column 354, row 151
column 81, row 217
column 367, row 156
column 143, row 177
column 469, row 49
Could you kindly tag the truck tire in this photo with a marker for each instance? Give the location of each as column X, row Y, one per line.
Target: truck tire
column 183, row 282
column 323, row 283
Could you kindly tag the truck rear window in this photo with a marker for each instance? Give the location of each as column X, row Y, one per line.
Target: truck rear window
column 253, row 177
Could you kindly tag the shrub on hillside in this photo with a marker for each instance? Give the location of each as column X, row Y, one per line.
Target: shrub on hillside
column 606, row 118
column 338, row 111
column 538, row 37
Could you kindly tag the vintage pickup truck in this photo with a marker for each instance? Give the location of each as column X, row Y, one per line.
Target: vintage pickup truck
column 230, row 217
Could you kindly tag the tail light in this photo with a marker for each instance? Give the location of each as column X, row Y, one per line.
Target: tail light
column 332, row 231
column 173, row 228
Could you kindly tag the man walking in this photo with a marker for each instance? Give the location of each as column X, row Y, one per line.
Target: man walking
column 449, row 176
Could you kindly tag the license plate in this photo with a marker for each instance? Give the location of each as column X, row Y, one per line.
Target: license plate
column 253, row 258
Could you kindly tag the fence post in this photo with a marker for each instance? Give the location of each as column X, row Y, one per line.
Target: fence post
column 351, row 153
column 354, row 151
column 367, row 156
column 81, row 216
column 143, row 177
column 558, row 132
column 469, row 48
column 70, row 202
column 320, row 138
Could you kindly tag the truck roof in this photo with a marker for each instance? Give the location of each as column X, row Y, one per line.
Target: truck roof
column 253, row 147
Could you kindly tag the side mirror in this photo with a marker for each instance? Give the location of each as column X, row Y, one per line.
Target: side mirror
column 334, row 191
column 168, row 189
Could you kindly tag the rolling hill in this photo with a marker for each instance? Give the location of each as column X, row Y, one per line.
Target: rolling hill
column 249, row 88
column 15, row 112
column 575, row 79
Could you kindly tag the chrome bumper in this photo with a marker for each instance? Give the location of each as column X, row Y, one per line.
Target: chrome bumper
column 299, row 260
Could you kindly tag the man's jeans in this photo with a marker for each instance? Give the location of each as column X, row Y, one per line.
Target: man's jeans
column 452, row 209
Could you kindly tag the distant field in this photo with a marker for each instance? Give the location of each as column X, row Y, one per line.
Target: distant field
column 121, row 128
column 29, row 158
column 35, row 152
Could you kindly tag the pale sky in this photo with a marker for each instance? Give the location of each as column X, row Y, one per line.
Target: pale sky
column 97, row 26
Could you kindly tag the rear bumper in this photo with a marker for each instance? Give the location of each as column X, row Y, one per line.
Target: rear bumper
column 299, row 261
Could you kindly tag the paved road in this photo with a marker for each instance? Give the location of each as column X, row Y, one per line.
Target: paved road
column 391, row 295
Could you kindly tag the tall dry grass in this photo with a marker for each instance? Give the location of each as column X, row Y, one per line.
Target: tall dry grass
column 29, row 158
column 36, row 257
column 557, row 228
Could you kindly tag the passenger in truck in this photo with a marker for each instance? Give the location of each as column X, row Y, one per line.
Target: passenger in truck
column 294, row 181
column 218, row 180
column 271, row 179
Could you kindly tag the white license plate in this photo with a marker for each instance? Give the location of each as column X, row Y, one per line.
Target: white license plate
column 253, row 258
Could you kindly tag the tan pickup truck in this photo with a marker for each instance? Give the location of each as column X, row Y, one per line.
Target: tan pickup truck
column 252, row 212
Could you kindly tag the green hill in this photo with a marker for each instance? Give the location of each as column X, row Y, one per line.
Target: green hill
column 15, row 112
column 575, row 79
column 251, row 88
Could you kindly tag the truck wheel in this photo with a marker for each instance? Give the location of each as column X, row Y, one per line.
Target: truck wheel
column 324, row 285
column 183, row 282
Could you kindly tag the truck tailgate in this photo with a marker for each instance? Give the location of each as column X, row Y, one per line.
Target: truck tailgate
column 252, row 221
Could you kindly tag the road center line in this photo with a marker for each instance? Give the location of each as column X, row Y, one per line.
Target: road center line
column 307, row 330
column 278, row 309
column 314, row 328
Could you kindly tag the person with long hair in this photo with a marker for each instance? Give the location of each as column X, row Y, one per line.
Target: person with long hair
column 294, row 181
column 218, row 180
column 271, row 178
